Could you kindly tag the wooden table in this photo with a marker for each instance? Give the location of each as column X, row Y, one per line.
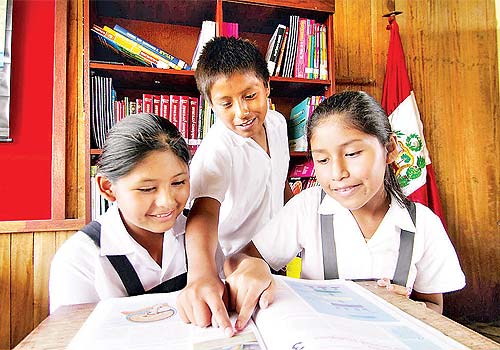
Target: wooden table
column 57, row 330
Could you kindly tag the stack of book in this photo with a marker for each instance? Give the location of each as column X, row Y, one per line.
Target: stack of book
column 135, row 49
column 298, row 50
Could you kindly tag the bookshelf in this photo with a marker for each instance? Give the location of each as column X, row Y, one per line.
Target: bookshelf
column 174, row 26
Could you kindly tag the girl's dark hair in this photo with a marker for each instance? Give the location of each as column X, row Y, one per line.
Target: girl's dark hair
column 361, row 112
column 224, row 56
column 130, row 140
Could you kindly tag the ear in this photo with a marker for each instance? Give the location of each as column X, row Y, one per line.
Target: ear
column 105, row 187
column 392, row 150
column 268, row 88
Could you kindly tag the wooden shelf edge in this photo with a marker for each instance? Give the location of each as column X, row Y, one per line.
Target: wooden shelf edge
column 41, row 225
column 124, row 67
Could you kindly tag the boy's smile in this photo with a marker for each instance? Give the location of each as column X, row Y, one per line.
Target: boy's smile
column 240, row 102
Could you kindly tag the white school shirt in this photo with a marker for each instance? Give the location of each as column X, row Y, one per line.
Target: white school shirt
column 81, row 273
column 243, row 178
column 434, row 265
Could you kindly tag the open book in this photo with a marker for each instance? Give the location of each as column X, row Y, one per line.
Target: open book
column 305, row 315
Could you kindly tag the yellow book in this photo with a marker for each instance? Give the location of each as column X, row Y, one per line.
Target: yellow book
column 140, row 50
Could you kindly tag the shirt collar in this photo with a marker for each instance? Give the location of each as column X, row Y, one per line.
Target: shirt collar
column 396, row 213
column 115, row 240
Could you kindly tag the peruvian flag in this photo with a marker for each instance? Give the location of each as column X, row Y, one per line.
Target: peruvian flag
column 413, row 166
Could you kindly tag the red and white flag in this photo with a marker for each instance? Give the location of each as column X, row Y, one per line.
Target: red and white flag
column 414, row 169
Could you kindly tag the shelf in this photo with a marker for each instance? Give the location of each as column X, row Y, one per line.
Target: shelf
column 182, row 81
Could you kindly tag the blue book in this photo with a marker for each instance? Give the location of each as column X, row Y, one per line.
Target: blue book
column 297, row 138
column 176, row 61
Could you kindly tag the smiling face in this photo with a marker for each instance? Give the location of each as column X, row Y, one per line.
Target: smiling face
column 350, row 164
column 240, row 102
column 152, row 194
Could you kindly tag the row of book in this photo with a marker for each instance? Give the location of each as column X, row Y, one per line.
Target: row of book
column 300, row 113
column 302, row 176
column 298, row 50
column 191, row 115
column 135, row 49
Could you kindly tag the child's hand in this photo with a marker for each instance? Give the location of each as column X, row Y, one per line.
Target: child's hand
column 401, row 290
column 249, row 284
column 201, row 303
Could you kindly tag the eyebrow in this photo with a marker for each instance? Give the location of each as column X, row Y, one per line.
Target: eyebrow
column 341, row 145
column 150, row 180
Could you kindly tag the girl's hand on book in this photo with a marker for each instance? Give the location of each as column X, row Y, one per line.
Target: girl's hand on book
column 249, row 284
column 401, row 290
column 201, row 303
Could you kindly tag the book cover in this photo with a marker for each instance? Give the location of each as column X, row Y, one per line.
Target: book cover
column 147, row 103
column 207, row 32
column 279, row 64
column 176, row 62
column 301, row 59
column 291, row 49
column 299, row 114
column 174, row 111
column 274, row 47
column 193, row 141
column 165, row 106
column 184, row 116
column 156, row 104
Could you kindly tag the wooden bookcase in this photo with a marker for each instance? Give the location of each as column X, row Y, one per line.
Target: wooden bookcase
column 174, row 26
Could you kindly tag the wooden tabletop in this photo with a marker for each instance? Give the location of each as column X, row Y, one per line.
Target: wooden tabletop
column 57, row 330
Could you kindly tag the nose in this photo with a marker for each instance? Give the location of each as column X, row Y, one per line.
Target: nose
column 242, row 109
column 165, row 198
column 338, row 170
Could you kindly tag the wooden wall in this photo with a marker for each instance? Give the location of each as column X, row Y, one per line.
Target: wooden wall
column 452, row 58
column 24, row 275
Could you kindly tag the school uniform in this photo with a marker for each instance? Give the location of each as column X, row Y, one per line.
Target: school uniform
column 434, row 266
column 240, row 175
column 81, row 272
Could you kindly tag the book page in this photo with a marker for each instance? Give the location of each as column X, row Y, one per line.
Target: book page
column 339, row 314
column 152, row 322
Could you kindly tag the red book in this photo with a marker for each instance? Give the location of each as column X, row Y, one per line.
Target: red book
column 156, row 104
column 174, row 110
column 165, row 106
column 147, row 103
column 138, row 104
column 184, row 116
column 193, row 124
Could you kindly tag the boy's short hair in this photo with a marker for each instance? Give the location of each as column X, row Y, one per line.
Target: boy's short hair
column 224, row 56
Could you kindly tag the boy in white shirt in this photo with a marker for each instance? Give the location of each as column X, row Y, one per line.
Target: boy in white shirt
column 238, row 174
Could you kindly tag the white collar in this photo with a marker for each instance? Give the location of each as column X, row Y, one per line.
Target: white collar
column 115, row 240
column 397, row 213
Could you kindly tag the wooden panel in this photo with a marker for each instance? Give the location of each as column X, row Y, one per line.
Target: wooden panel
column 21, row 302
column 453, row 65
column 43, row 250
column 25, row 264
column 5, row 291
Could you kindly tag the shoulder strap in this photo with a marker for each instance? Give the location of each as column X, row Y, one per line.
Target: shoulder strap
column 93, row 230
column 330, row 267
column 122, row 265
column 406, row 240
column 172, row 285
